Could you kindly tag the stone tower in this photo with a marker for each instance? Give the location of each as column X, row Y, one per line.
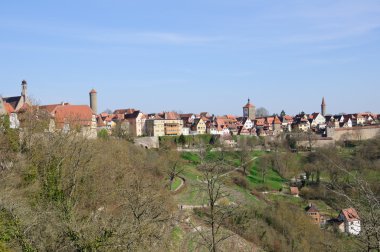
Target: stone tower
column 24, row 89
column 249, row 110
column 94, row 101
column 323, row 107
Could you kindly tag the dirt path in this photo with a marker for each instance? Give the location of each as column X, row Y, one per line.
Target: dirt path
column 181, row 185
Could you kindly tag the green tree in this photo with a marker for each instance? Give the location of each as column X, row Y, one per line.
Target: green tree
column 182, row 140
column 103, row 134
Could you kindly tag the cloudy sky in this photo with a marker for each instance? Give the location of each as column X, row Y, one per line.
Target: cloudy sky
column 192, row 56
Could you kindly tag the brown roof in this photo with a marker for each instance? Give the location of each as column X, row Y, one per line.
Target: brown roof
column 50, row 108
column 294, row 190
column 93, row 91
column 8, row 107
column 124, row 111
column 171, row 116
column 312, row 209
column 248, row 105
column 277, row 120
column 350, row 214
column 270, row 119
column 260, row 121
column 73, row 114
column 133, row 115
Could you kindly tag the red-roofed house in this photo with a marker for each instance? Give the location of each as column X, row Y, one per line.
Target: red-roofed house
column 314, row 214
column 294, row 191
column 72, row 117
column 351, row 221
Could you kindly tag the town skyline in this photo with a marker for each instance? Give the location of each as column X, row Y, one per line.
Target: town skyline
column 217, row 53
column 85, row 101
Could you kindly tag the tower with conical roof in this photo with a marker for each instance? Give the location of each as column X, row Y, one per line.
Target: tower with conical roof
column 323, row 107
column 249, row 110
column 94, row 101
column 24, row 89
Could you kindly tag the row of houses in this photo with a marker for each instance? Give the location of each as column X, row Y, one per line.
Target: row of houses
column 65, row 116
column 174, row 124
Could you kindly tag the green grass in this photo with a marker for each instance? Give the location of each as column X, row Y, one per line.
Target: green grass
column 273, row 180
column 287, row 198
column 177, row 235
column 247, row 195
column 192, row 196
column 176, row 183
column 191, row 157
column 190, row 172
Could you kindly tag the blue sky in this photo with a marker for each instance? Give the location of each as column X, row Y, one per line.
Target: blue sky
column 192, row 56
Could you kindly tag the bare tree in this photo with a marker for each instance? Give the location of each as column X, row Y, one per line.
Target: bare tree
column 265, row 164
column 217, row 212
column 246, row 160
column 261, row 112
column 358, row 193
column 174, row 167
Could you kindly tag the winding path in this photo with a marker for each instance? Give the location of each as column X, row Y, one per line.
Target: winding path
column 181, row 185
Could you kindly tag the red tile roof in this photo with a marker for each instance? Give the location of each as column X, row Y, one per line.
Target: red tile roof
column 73, row 114
column 8, row 107
column 50, row 108
column 171, row 116
column 350, row 214
column 294, row 190
column 277, row 120
column 248, row 105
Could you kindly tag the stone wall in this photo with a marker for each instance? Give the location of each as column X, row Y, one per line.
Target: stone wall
column 317, row 143
column 147, row 142
column 355, row 133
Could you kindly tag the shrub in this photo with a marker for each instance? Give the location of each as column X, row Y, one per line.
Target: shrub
column 240, row 181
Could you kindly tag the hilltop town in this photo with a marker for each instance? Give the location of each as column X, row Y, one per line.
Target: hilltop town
column 264, row 182
column 323, row 127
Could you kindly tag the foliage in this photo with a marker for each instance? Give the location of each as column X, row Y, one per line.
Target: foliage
column 261, row 112
column 103, row 134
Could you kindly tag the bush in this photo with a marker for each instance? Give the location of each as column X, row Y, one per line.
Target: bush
column 241, row 181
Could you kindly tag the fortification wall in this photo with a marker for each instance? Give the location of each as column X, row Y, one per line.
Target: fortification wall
column 147, row 142
column 355, row 133
column 317, row 143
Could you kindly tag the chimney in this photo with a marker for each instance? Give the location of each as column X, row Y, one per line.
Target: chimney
column 94, row 101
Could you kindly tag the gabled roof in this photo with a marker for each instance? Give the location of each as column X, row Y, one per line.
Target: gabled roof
column 294, row 190
column 171, row 116
column 13, row 101
column 8, row 108
column 260, row 121
column 311, row 209
column 100, row 122
column 73, row 114
column 276, row 120
column 124, row 111
column 50, row 107
column 133, row 115
column 350, row 214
